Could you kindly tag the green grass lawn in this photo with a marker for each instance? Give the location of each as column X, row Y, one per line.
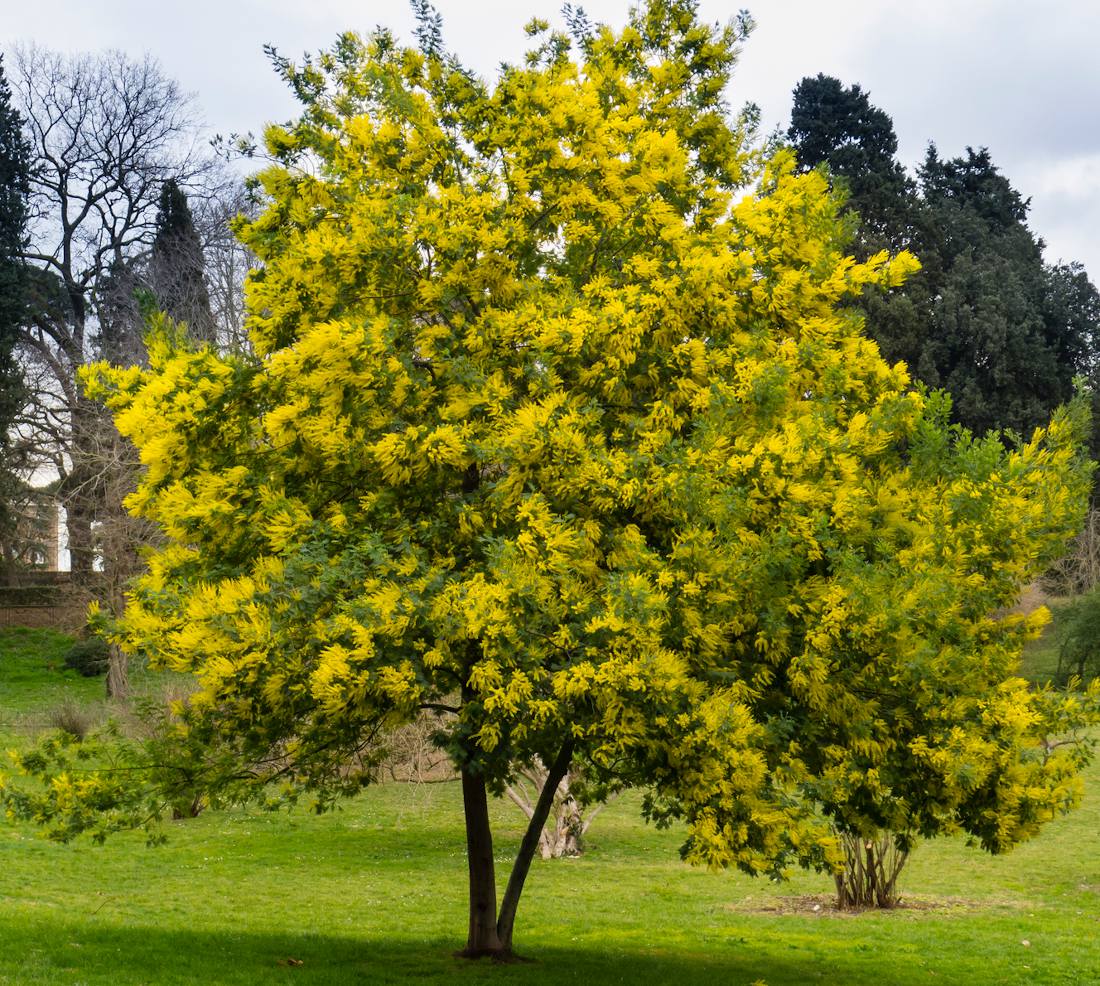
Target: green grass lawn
column 1040, row 657
column 36, row 688
column 375, row 893
column 32, row 676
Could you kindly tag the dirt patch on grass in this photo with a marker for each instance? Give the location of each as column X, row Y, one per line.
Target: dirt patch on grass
column 824, row 905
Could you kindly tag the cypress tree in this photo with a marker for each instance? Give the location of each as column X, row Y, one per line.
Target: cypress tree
column 985, row 319
column 837, row 126
column 177, row 265
column 14, row 192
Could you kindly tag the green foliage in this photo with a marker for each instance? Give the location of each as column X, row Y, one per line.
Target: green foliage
column 553, row 429
column 118, row 307
column 995, row 326
column 88, row 657
column 838, row 127
column 1078, row 636
column 14, row 192
column 985, row 319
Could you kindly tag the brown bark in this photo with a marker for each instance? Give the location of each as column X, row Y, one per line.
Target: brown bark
column 871, row 870
column 118, row 674
column 78, row 526
column 506, row 921
column 482, row 938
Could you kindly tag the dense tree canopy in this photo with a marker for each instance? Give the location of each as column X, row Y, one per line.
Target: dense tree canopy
column 986, row 319
column 554, row 431
column 994, row 334
column 836, row 125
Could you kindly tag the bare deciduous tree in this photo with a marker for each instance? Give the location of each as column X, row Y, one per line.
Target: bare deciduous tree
column 228, row 261
column 1079, row 570
column 106, row 132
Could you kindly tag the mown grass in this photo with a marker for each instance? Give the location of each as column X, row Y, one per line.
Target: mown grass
column 375, row 893
column 1040, row 657
column 32, row 674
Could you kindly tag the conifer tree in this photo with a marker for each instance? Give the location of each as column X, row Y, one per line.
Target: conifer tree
column 838, row 126
column 14, row 190
column 985, row 319
column 177, row 267
column 986, row 327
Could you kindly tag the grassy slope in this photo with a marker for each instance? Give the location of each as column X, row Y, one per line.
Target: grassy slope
column 1040, row 658
column 34, row 683
column 375, row 893
column 32, row 677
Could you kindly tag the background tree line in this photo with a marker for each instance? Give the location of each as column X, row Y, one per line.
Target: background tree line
column 112, row 206
column 987, row 318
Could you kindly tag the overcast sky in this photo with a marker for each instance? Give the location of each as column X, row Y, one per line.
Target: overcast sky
column 1020, row 78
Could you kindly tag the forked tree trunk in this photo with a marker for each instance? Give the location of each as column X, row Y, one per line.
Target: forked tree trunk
column 489, row 933
column 507, row 920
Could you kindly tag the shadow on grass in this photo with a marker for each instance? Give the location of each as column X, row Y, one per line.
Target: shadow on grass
column 47, row 952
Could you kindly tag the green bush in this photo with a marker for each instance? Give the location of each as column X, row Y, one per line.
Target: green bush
column 88, row 657
column 1079, row 638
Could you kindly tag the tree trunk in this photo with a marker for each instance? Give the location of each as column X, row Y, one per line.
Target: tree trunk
column 482, row 938
column 118, row 673
column 80, row 489
column 573, row 828
column 506, row 921
column 489, row 934
column 78, row 527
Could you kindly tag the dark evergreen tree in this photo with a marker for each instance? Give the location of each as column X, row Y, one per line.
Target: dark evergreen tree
column 1073, row 300
column 1001, row 332
column 838, row 127
column 985, row 319
column 119, row 309
column 177, row 265
column 974, row 183
column 14, row 191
